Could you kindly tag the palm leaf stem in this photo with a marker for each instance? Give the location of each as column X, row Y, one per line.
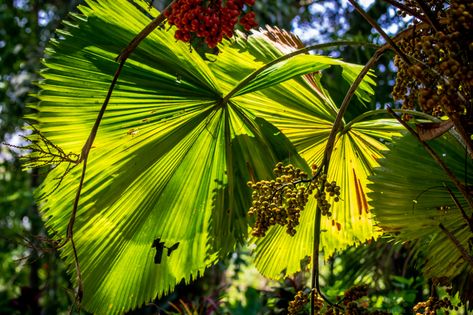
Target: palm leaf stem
column 457, row 244
column 83, row 158
column 383, row 111
column 337, row 125
column 304, row 50
column 437, row 159
column 128, row 50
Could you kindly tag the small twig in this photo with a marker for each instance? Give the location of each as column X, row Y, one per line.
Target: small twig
column 294, row 183
column 436, row 158
column 378, row 28
column 456, row 242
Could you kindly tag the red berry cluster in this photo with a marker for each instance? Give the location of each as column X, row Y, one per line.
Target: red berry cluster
column 209, row 19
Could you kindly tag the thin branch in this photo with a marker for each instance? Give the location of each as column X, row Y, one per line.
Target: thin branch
column 304, row 50
column 378, row 28
column 458, row 245
column 337, row 125
column 93, row 133
column 437, row 159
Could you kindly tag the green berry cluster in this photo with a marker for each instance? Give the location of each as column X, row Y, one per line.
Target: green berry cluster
column 330, row 190
column 296, row 306
column 281, row 200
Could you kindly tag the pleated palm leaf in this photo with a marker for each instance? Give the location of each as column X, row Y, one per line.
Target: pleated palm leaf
column 411, row 201
column 171, row 158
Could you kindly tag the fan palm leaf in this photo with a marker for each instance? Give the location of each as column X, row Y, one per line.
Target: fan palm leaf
column 169, row 165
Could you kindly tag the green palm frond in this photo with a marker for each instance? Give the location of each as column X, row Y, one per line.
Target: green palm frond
column 171, row 160
column 410, row 200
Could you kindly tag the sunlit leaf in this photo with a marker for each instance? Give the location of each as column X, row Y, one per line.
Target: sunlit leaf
column 171, row 161
column 355, row 155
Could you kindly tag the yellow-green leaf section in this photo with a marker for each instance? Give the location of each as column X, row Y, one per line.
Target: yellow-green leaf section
column 355, row 154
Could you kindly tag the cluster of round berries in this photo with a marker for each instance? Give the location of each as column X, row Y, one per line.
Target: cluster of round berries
column 281, row 200
column 209, row 19
column 296, row 306
column 433, row 305
column 332, row 190
column 439, row 77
